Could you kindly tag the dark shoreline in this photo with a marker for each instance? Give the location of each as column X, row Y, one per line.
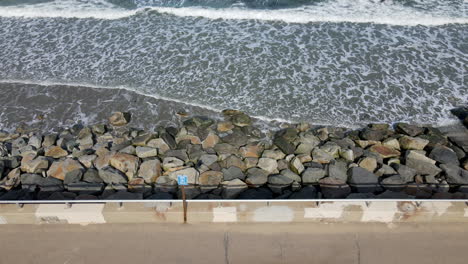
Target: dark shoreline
column 234, row 159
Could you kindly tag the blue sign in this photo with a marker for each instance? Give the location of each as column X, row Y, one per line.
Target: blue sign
column 182, row 180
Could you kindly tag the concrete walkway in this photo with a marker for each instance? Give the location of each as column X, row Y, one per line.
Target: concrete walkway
column 235, row 243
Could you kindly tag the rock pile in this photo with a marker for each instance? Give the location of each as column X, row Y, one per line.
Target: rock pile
column 232, row 159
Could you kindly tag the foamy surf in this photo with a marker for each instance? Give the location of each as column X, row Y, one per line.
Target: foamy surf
column 336, row 11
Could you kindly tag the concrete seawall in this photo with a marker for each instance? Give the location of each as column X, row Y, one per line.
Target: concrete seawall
column 234, row 211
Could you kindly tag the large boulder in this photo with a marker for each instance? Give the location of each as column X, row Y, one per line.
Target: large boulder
column 368, row 163
column 455, row 174
column 251, row 151
column 362, row 180
column 68, row 170
column 256, row 176
column 338, row 170
column 373, row 134
column 312, row 175
column 119, row 118
column 444, row 155
column 292, row 175
column 150, row 170
column 415, row 143
column 146, row 152
column 410, row 130
column 296, row 165
column 422, row 164
column 278, row 182
column 29, row 164
column 111, row 175
column 172, row 163
column 55, row 152
column 405, row 172
column 232, row 173
column 321, row 156
column 12, row 179
column 210, row 180
column 125, row 163
column 269, row 165
column 394, row 183
column 385, row 151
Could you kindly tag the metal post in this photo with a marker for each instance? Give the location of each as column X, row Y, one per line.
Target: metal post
column 184, row 203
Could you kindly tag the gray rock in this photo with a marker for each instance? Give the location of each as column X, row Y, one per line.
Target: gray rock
column 12, row 162
column 150, row 170
column 312, row 175
column 406, row 173
column 49, row 140
column 290, row 174
column 111, row 175
column 279, row 179
column 224, row 148
column 285, row 145
column 237, row 138
column 177, row 153
column 73, row 176
column 422, row 164
column 142, row 140
column 171, row 163
column 36, row 165
column 413, row 143
column 296, row 165
column 410, row 130
column 338, row 170
column 232, row 173
column 372, row 134
column 208, row 159
column 455, row 174
column 169, row 139
column 199, row 122
column 146, row 152
column 273, row 154
column 269, row 165
column 241, row 120
column 362, row 180
column 394, row 183
column 256, row 176
column 385, row 170
column 321, row 156
column 444, row 155
column 35, row 141
column 92, row 176
column 331, row 148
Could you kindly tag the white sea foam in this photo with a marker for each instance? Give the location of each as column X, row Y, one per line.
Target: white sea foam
column 357, row 11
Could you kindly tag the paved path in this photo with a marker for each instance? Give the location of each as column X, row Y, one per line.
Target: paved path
column 235, row 243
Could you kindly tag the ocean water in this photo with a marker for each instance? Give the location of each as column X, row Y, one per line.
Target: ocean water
column 327, row 62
